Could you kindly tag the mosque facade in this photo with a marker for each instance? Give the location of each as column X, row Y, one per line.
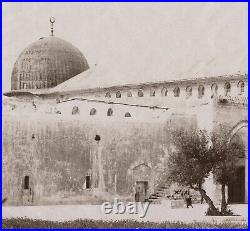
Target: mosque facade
column 64, row 143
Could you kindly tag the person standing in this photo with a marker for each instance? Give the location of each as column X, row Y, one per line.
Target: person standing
column 189, row 201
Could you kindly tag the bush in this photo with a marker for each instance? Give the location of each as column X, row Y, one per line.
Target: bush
column 29, row 223
column 223, row 101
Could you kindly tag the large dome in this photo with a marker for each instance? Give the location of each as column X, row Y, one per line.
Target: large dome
column 47, row 63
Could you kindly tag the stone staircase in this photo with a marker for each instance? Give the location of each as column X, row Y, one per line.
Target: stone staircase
column 160, row 193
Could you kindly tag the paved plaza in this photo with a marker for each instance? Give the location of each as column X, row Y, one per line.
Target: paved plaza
column 155, row 213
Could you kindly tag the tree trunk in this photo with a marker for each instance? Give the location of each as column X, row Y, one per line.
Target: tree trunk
column 210, row 203
column 223, row 198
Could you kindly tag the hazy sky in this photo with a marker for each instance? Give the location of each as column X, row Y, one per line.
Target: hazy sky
column 143, row 41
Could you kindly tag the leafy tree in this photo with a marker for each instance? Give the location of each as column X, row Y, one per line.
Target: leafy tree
column 191, row 161
column 226, row 154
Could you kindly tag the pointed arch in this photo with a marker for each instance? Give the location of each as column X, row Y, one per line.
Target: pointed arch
column 140, row 93
column 227, row 88
column 92, row 112
column 118, row 94
column 164, row 91
column 110, row 112
column 201, row 91
column 108, row 95
column 127, row 114
column 176, row 92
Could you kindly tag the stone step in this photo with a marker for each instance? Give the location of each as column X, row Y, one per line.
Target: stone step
column 160, row 190
column 156, row 201
column 164, row 187
column 160, row 195
column 153, row 197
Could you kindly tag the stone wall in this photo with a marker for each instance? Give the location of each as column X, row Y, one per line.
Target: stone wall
column 57, row 154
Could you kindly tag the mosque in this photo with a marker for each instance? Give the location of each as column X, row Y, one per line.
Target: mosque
column 68, row 141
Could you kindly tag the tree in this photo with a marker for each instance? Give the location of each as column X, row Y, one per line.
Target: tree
column 226, row 155
column 191, row 161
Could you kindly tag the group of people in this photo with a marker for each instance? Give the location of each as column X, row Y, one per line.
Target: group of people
column 179, row 194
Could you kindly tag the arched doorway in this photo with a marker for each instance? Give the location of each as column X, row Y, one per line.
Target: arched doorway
column 141, row 173
column 238, row 188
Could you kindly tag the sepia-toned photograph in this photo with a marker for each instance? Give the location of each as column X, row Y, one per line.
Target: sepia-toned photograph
column 124, row 115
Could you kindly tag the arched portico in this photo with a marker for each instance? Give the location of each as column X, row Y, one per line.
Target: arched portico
column 237, row 127
column 238, row 190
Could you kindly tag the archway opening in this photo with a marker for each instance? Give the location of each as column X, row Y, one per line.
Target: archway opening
column 238, row 187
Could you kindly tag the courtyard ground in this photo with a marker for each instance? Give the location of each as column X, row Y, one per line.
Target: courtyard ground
column 155, row 213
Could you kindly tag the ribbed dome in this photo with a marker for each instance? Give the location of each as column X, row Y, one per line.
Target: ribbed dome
column 47, row 63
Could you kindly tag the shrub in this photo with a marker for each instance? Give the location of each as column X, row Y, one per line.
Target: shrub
column 224, row 101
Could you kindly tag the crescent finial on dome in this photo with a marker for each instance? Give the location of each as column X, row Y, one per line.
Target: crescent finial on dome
column 52, row 21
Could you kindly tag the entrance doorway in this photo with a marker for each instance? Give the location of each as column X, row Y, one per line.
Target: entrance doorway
column 87, row 178
column 236, row 188
column 141, row 188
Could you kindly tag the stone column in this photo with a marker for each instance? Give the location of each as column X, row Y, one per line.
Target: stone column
column 98, row 164
column 101, row 184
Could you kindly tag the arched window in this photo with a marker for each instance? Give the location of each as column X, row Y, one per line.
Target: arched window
column 129, row 94
column 92, row 111
column 201, row 91
column 75, row 110
column 127, row 114
column 227, row 88
column 118, row 94
column 188, row 91
column 108, row 95
column 214, row 90
column 241, row 87
column 152, row 92
column 140, row 93
column 110, row 112
column 177, row 92
column 164, row 92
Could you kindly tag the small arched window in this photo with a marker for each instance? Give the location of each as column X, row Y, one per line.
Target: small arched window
column 140, row 93
column 108, row 95
column 75, row 110
column 127, row 114
column 152, row 92
column 118, row 94
column 214, row 90
column 201, row 91
column 129, row 94
column 241, row 87
column 188, row 91
column 227, row 88
column 177, row 92
column 164, row 91
column 92, row 111
column 110, row 112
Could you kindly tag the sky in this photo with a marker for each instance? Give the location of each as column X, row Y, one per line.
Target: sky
column 145, row 42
